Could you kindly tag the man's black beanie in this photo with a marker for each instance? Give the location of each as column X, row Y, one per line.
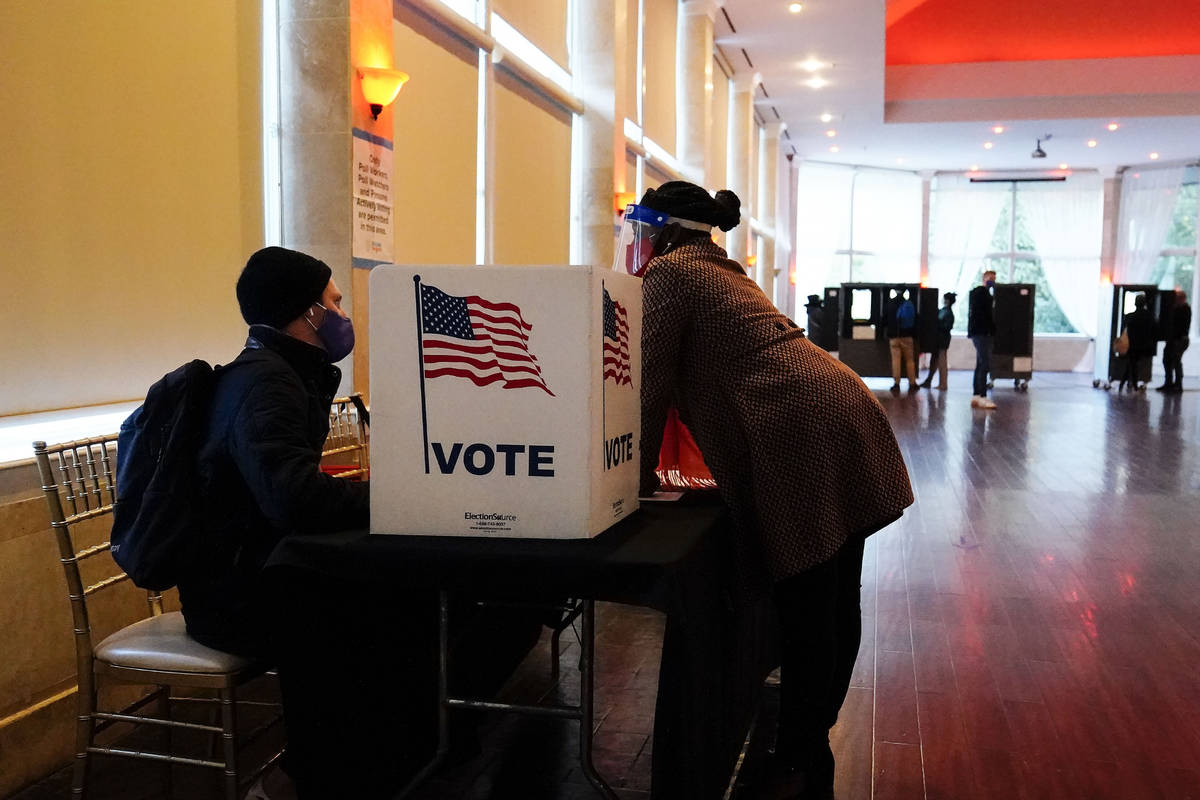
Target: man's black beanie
column 278, row 285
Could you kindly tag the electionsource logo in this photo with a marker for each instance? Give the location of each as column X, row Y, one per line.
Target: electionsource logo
column 498, row 517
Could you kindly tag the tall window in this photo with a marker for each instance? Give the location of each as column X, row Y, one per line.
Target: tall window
column 1176, row 266
column 1046, row 234
column 853, row 225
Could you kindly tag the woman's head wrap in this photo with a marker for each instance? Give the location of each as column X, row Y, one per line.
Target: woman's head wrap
column 688, row 201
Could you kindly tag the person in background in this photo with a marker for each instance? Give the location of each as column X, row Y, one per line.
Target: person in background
column 901, row 331
column 939, row 357
column 981, row 328
column 802, row 452
column 1176, row 335
column 1139, row 325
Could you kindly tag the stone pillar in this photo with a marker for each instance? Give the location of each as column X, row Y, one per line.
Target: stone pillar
column 792, row 185
column 594, row 70
column 741, row 144
column 1112, row 218
column 693, row 107
column 321, row 42
column 767, row 272
column 926, row 187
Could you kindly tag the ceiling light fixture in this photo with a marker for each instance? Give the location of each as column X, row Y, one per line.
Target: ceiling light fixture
column 835, row 149
column 831, row 133
column 998, row 129
column 816, row 82
column 795, row 8
column 1038, row 152
column 988, row 145
column 1112, row 126
column 1064, row 165
column 1092, row 142
column 1153, row 157
column 812, row 65
column 826, row 117
column 899, row 160
column 974, row 168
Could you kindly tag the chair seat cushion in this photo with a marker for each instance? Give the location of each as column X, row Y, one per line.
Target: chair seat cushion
column 162, row 643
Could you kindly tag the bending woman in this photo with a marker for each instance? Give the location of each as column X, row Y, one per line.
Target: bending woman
column 802, row 452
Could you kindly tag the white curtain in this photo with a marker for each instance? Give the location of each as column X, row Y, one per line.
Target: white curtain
column 1147, row 207
column 887, row 224
column 822, row 228
column 1066, row 222
column 962, row 220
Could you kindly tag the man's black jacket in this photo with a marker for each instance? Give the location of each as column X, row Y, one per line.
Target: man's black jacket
column 259, row 469
column 980, row 321
column 1139, row 324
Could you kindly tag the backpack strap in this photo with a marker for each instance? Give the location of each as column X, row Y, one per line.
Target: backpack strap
column 363, row 414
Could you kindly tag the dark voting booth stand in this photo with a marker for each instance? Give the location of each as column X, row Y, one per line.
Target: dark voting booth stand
column 1012, row 347
column 854, row 324
column 1117, row 300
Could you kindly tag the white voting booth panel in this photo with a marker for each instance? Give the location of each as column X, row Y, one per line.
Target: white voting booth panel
column 513, row 409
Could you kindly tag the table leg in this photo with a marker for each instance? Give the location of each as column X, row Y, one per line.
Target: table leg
column 443, row 711
column 587, row 702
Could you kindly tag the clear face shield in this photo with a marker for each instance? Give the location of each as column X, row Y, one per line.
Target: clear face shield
column 635, row 245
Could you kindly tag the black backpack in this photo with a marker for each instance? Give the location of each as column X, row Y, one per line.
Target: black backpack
column 158, row 511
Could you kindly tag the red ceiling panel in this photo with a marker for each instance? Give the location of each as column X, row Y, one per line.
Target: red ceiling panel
column 952, row 31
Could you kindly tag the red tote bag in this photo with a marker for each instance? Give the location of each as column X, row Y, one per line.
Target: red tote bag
column 680, row 465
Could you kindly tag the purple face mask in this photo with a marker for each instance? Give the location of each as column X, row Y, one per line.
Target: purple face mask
column 336, row 333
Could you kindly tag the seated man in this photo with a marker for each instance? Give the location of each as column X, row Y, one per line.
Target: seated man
column 259, row 465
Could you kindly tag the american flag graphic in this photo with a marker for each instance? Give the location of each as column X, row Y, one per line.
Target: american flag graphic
column 616, row 352
column 484, row 342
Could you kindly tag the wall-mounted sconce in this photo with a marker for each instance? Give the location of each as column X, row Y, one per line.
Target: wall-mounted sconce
column 380, row 86
column 623, row 199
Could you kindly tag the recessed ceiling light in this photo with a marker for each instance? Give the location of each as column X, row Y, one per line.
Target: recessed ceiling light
column 1091, row 142
column 795, row 8
column 826, row 117
column 1112, row 126
column 987, row 145
column 831, row 133
column 835, row 149
column 998, row 129
column 899, row 160
column 1064, row 165
column 812, row 65
column 974, row 168
column 1153, row 157
column 816, row 82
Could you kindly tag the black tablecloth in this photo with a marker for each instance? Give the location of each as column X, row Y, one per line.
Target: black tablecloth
column 676, row 558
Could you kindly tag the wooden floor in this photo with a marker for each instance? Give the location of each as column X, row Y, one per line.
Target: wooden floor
column 1032, row 624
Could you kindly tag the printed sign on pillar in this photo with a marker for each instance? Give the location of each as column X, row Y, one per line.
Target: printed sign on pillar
column 372, row 181
column 505, row 400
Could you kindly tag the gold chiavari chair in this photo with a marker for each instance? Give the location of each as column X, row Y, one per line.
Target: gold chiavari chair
column 347, row 452
column 78, row 480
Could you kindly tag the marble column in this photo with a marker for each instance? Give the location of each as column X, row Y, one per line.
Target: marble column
column 926, row 187
column 741, row 155
column 693, row 107
column 774, row 243
column 321, row 42
column 594, row 70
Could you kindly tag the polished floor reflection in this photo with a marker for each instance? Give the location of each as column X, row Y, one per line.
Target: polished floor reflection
column 1032, row 624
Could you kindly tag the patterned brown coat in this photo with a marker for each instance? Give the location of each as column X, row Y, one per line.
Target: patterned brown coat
column 802, row 452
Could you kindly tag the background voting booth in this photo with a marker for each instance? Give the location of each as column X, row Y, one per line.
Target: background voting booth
column 513, row 409
column 1012, row 347
column 861, row 315
column 1117, row 300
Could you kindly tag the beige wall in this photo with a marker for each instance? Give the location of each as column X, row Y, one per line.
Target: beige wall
column 131, row 192
column 533, row 177
column 433, row 163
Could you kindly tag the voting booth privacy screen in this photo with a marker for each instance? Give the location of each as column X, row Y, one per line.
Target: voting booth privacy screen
column 505, row 401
